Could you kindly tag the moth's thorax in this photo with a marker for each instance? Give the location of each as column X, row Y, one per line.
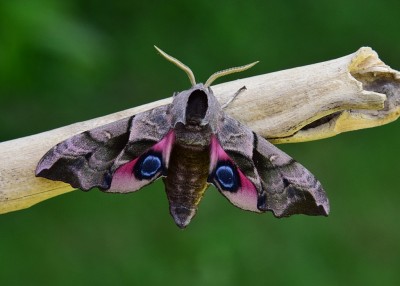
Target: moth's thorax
column 194, row 108
column 192, row 135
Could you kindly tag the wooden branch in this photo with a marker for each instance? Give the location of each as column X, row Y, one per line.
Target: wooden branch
column 301, row 104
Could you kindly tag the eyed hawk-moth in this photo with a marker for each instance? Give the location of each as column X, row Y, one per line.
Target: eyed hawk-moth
column 190, row 143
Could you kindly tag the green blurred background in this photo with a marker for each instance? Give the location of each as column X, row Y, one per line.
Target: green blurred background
column 67, row 61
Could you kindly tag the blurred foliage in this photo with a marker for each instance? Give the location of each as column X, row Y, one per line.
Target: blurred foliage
column 67, row 61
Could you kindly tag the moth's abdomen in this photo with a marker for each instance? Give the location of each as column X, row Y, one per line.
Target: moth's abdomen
column 186, row 180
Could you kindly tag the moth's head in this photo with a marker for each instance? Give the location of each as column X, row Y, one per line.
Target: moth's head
column 197, row 106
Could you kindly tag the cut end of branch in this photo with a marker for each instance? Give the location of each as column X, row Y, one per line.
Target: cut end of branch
column 375, row 79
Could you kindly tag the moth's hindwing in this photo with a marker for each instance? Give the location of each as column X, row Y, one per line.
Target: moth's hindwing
column 144, row 169
column 230, row 180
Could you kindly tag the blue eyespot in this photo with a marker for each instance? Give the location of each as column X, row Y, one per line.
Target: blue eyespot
column 148, row 166
column 227, row 177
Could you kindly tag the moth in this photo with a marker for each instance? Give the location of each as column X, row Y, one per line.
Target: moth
column 190, row 143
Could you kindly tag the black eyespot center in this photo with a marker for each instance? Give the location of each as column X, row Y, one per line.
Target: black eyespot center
column 227, row 176
column 148, row 166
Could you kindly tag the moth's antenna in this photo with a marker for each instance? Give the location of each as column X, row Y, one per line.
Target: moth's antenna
column 216, row 75
column 178, row 63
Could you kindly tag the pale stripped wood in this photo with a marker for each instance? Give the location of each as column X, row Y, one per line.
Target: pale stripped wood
column 301, row 104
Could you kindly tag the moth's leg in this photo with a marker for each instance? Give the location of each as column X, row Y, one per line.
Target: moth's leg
column 243, row 88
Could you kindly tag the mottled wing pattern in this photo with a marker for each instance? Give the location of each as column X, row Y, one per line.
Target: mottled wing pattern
column 287, row 187
column 283, row 186
column 90, row 159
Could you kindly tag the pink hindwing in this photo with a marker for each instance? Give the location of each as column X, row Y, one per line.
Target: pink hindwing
column 145, row 169
column 230, row 180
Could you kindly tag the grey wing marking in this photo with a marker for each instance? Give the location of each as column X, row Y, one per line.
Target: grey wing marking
column 288, row 187
column 88, row 160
